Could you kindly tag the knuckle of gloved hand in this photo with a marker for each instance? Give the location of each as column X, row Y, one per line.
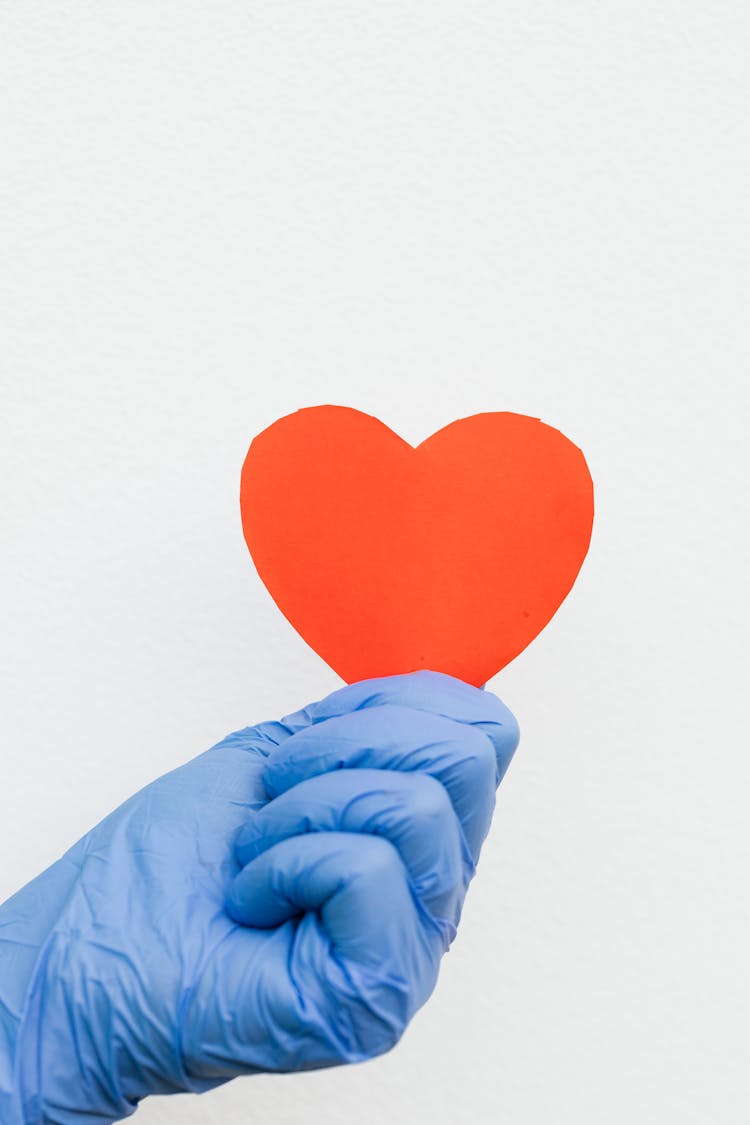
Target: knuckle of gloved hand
column 375, row 863
column 478, row 762
column 505, row 737
column 447, row 865
column 429, row 803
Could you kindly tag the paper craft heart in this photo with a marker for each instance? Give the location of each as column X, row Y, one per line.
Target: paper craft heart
column 387, row 558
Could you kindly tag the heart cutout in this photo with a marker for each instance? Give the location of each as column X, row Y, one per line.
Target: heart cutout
column 388, row 558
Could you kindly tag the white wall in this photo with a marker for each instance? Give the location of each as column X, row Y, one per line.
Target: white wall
column 215, row 213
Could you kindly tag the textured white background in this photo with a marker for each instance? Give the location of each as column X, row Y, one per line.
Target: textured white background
column 212, row 214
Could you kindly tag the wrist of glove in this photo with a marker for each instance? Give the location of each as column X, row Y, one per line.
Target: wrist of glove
column 281, row 902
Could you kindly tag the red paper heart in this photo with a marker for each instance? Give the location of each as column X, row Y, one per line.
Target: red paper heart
column 388, row 558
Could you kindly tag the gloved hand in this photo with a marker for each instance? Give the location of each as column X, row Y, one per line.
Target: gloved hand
column 279, row 903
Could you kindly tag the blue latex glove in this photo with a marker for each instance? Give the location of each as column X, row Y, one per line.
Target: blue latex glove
column 279, row 903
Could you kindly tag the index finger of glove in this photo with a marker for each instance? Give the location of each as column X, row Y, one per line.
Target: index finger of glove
column 390, row 737
column 433, row 692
